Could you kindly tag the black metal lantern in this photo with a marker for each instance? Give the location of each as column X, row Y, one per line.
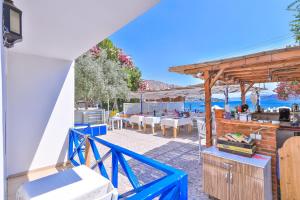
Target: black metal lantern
column 12, row 24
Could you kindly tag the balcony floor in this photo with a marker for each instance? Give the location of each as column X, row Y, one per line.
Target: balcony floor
column 181, row 152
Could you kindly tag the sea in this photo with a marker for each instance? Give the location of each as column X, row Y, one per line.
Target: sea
column 266, row 102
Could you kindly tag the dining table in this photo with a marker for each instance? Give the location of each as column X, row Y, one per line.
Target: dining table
column 176, row 123
column 136, row 119
column 118, row 120
column 151, row 121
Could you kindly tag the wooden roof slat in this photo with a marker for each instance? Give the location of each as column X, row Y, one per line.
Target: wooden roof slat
column 267, row 74
column 261, row 57
column 265, row 71
column 269, row 66
column 258, row 65
column 277, row 79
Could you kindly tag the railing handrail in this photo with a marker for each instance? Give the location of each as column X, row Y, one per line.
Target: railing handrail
column 175, row 180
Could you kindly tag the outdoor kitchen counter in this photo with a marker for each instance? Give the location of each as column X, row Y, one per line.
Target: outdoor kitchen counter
column 247, row 178
column 250, row 123
column 266, row 146
column 288, row 126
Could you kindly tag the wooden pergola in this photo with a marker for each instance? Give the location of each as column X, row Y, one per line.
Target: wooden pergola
column 263, row 67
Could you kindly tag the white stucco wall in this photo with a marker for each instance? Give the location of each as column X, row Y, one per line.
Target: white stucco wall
column 2, row 115
column 2, row 124
column 37, row 95
column 40, row 110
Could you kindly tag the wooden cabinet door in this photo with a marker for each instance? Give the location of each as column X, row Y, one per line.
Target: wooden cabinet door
column 215, row 181
column 245, row 187
column 235, row 186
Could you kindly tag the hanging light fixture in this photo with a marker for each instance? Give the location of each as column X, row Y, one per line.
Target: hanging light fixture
column 12, row 24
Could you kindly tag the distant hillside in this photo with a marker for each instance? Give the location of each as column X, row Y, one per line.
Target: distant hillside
column 158, row 85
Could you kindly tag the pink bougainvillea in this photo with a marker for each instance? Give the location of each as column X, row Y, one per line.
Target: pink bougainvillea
column 125, row 59
column 95, row 51
column 144, row 85
column 285, row 90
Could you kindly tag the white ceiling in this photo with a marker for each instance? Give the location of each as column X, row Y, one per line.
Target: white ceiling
column 67, row 28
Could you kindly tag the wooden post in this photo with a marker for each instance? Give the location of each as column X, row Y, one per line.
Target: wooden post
column 87, row 153
column 207, row 88
column 175, row 132
column 226, row 94
column 163, row 130
column 141, row 104
column 108, row 107
column 189, row 127
column 243, row 92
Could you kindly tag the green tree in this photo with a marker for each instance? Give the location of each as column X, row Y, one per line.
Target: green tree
column 105, row 74
column 295, row 24
column 111, row 50
column 115, row 81
column 133, row 78
column 88, row 79
column 98, row 79
column 117, row 55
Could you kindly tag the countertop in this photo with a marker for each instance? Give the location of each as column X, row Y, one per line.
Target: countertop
column 249, row 123
column 265, row 113
column 258, row 160
column 289, row 126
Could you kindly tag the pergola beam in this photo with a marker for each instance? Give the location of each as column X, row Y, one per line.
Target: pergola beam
column 295, row 61
column 265, row 70
column 266, row 65
column 220, row 72
column 249, row 87
column 288, row 73
column 262, row 72
column 208, row 118
column 268, row 79
column 243, row 92
column 228, row 74
column 262, row 58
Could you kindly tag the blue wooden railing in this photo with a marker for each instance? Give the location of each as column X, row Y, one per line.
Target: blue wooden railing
column 171, row 186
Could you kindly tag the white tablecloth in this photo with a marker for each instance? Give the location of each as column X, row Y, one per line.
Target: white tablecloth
column 136, row 119
column 171, row 122
column 151, row 121
column 73, row 184
column 119, row 121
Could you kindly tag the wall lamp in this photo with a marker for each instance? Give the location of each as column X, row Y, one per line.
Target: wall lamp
column 11, row 23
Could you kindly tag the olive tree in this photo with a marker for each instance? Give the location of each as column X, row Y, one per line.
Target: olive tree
column 98, row 79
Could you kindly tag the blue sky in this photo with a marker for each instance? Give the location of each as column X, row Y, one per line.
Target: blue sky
column 176, row 32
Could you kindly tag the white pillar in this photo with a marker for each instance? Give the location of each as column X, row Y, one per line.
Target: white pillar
column 2, row 115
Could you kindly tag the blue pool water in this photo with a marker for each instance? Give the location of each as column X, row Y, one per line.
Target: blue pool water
column 265, row 102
